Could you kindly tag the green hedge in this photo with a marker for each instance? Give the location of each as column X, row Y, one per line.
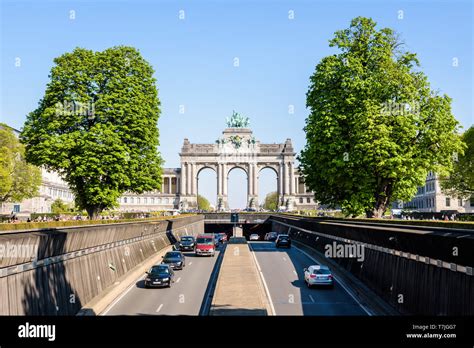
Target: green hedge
column 54, row 224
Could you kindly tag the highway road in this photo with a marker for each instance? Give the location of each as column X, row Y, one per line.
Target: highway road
column 282, row 271
column 185, row 297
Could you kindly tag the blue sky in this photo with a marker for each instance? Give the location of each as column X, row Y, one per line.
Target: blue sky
column 194, row 59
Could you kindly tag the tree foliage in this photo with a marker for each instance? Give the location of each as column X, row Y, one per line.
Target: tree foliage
column 59, row 206
column 203, row 203
column 271, row 201
column 460, row 182
column 375, row 127
column 97, row 126
column 19, row 180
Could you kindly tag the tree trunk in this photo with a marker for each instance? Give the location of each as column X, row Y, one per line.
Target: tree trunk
column 382, row 200
column 93, row 212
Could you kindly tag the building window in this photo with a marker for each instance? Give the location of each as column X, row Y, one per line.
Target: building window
column 16, row 208
column 471, row 201
column 448, row 201
column 460, row 202
column 301, row 200
column 308, row 200
column 145, row 200
column 138, row 200
column 125, row 199
column 131, row 200
column 152, row 200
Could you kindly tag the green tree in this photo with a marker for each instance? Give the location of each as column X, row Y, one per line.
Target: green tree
column 19, row 180
column 271, row 201
column 460, row 182
column 375, row 127
column 203, row 203
column 97, row 126
column 59, row 206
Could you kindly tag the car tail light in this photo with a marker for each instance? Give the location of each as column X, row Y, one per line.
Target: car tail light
column 312, row 275
column 330, row 276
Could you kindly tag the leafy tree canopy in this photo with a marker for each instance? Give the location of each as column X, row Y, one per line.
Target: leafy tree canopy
column 460, row 182
column 203, row 203
column 375, row 127
column 97, row 126
column 18, row 179
column 271, row 201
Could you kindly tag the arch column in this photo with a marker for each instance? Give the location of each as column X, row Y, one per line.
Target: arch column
column 221, row 179
column 252, row 193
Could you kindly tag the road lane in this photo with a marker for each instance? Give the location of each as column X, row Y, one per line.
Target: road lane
column 185, row 296
column 283, row 273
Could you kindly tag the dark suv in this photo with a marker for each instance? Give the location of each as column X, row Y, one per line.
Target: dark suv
column 187, row 243
column 283, row 240
column 175, row 259
column 159, row 275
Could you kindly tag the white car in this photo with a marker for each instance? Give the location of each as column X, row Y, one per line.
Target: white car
column 254, row 237
column 318, row 275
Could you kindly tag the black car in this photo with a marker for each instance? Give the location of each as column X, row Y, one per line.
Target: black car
column 187, row 243
column 175, row 259
column 159, row 276
column 283, row 240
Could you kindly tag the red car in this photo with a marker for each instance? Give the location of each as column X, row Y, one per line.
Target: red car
column 205, row 244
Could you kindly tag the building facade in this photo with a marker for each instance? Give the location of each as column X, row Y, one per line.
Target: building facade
column 430, row 198
column 236, row 148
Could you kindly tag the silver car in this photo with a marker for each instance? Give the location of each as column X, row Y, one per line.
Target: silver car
column 254, row 237
column 318, row 275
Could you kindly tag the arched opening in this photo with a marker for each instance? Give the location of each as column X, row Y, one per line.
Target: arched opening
column 237, row 188
column 268, row 189
column 207, row 188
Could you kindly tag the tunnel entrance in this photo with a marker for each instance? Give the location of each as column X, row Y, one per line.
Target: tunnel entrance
column 247, row 228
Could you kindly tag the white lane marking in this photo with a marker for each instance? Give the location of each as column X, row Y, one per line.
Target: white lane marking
column 339, row 281
column 159, row 308
column 272, row 308
column 311, row 298
column 295, row 272
column 177, row 280
column 190, row 263
column 121, row 296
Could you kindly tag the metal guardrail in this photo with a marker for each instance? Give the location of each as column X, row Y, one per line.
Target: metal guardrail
column 419, row 258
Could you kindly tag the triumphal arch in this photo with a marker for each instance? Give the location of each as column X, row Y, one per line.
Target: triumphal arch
column 238, row 148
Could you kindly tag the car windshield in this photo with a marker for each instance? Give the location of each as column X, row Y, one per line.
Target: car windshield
column 159, row 269
column 187, row 239
column 172, row 255
column 205, row 241
column 322, row 271
column 283, row 237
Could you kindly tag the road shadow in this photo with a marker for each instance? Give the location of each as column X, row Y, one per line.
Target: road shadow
column 228, row 310
column 47, row 290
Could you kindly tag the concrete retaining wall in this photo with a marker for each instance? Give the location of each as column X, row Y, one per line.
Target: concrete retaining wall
column 412, row 284
column 73, row 265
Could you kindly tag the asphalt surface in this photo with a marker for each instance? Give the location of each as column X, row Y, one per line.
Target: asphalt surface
column 283, row 274
column 184, row 297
